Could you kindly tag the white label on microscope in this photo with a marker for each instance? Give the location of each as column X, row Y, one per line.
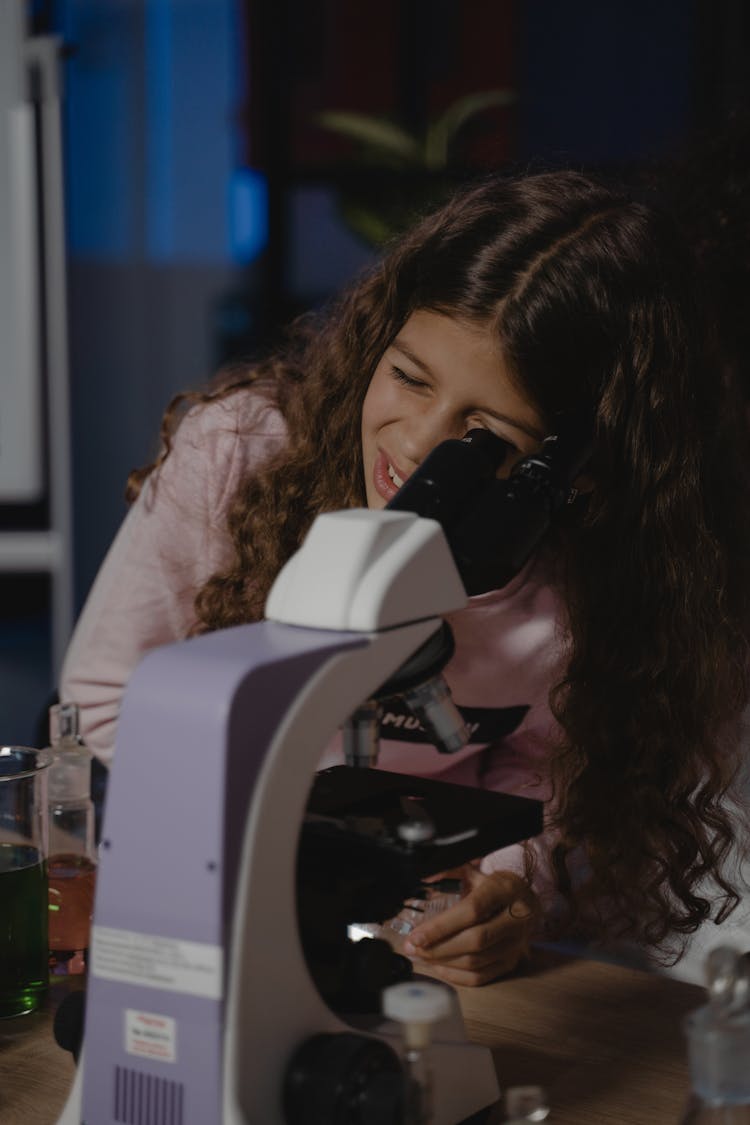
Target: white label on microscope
column 150, row 1036
column 191, row 967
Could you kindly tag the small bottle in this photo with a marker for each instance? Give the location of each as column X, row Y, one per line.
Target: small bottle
column 72, row 851
column 417, row 1006
column 525, row 1103
column 718, row 1037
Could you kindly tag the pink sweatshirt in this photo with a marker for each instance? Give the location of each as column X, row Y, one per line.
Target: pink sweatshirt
column 509, row 648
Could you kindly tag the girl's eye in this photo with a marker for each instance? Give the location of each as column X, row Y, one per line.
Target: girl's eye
column 407, row 380
column 510, row 456
column 512, row 450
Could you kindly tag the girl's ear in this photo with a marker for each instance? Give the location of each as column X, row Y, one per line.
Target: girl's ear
column 582, row 485
column 573, row 511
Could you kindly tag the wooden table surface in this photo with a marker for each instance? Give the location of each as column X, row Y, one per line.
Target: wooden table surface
column 605, row 1041
column 35, row 1074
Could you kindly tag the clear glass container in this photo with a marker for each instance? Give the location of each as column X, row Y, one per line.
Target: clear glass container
column 23, row 879
column 436, row 898
column 698, row 1112
column 525, row 1103
column 433, row 899
column 718, row 1036
column 72, row 850
column 417, row 1006
column 719, row 1054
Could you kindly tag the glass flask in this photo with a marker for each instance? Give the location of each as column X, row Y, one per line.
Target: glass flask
column 718, row 1036
column 72, row 851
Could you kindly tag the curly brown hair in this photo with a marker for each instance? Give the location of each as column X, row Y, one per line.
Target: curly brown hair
column 590, row 294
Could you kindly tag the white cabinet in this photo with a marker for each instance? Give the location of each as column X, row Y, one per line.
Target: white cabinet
column 35, row 439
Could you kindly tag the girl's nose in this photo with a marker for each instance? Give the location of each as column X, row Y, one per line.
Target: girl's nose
column 426, row 430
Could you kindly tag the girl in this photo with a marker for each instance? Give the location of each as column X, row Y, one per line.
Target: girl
column 608, row 678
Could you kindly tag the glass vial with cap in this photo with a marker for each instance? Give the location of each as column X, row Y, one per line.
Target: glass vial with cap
column 718, row 1036
column 72, row 850
column 524, row 1104
column 417, row 1006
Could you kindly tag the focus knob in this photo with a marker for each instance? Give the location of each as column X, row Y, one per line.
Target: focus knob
column 343, row 1079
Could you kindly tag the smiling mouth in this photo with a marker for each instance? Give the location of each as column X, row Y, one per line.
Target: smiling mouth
column 394, row 476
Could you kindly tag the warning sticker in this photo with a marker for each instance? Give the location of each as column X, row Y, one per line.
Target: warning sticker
column 190, row 967
column 151, row 1036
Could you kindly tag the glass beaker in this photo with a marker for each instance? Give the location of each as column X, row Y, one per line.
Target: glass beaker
column 719, row 1050
column 24, row 953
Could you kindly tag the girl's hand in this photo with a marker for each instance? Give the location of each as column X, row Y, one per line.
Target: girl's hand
column 483, row 936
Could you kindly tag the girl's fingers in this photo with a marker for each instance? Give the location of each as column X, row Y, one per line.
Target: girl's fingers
column 502, row 899
column 479, row 966
column 510, row 951
column 470, row 977
column 479, row 941
column 483, row 936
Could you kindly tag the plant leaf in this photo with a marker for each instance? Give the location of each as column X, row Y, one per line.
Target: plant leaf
column 372, row 228
column 373, row 133
column 441, row 131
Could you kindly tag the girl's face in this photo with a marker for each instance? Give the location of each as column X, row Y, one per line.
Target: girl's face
column 439, row 379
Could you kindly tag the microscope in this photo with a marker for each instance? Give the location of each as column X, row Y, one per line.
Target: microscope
column 223, row 986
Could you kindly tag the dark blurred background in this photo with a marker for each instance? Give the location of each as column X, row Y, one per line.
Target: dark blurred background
column 207, row 201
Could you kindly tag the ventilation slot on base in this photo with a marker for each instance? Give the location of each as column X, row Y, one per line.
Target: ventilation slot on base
column 145, row 1099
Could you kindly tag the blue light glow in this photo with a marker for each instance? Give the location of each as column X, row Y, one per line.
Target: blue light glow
column 248, row 214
